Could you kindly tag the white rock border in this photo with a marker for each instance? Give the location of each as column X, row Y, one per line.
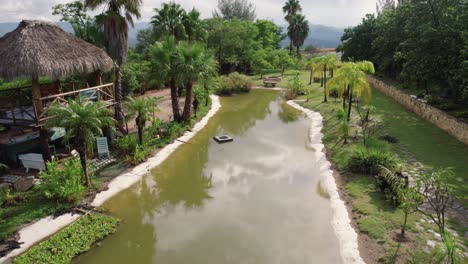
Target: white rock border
column 45, row 227
column 341, row 221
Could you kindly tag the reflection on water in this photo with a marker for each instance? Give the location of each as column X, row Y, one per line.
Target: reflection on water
column 253, row 200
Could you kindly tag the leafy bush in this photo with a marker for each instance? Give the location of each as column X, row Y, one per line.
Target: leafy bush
column 234, row 83
column 71, row 241
column 295, row 88
column 132, row 152
column 367, row 160
column 129, row 81
column 63, row 182
column 448, row 106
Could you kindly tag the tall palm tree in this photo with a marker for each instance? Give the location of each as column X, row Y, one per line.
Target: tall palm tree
column 168, row 21
column 194, row 26
column 164, row 68
column 354, row 75
column 326, row 63
column 82, row 121
column 298, row 30
column 115, row 20
column 291, row 8
column 143, row 109
column 194, row 64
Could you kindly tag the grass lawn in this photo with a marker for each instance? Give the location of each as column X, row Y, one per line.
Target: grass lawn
column 429, row 144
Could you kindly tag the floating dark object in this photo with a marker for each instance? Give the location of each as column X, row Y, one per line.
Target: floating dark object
column 223, row 139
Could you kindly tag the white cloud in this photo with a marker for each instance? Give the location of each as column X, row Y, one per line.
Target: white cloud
column 327, row 12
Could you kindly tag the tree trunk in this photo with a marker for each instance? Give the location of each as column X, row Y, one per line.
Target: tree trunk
column 325, row 86
column 344, row 98
column 83, row 160
column 174, row 100
column 321, row 81
column 290, row 47
column 44, row 136
column 188, row 102
column 298, row 51
column 140, row 130
column 349, row 105
column 311, row 77
column 180, row 90
column 118, row 99
column 404, row 224
column 282, row 71
column 195, row 106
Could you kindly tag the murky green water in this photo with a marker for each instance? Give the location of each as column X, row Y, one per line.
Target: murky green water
column 255, row 200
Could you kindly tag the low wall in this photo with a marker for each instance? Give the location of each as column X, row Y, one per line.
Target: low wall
column 451, row 125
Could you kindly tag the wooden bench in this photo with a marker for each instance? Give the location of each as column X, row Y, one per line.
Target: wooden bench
column 269, row 83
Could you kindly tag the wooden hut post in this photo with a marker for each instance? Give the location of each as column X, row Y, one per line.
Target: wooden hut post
column 98, row 78
column 39, row 108
column 36, row 94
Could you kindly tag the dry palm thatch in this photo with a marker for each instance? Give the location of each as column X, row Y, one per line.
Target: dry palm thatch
column 38, row 48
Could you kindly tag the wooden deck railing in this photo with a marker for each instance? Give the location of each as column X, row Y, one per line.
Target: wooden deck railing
column 22, row 113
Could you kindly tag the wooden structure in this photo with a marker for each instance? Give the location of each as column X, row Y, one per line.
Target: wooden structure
column 38, row 48
column 271, row 81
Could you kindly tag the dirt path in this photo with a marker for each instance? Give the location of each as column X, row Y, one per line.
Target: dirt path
column 164, row 106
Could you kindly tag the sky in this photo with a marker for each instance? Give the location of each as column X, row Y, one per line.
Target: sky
column 338, row 13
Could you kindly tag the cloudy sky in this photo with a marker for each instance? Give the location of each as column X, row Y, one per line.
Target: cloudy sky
column 340, row 13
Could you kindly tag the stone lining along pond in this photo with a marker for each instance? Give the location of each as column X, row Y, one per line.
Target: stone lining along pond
column 255, row 200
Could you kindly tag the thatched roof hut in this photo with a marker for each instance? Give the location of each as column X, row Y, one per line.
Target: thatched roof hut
column 38, row 48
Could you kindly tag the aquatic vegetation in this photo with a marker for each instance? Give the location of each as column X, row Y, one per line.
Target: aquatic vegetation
column 71, row 241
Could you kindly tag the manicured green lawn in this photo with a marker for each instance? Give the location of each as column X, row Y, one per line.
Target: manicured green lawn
column 429, row 144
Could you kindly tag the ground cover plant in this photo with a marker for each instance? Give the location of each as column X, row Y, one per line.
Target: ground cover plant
column 71, row 241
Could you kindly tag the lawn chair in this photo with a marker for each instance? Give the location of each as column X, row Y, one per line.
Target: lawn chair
column 102, row 147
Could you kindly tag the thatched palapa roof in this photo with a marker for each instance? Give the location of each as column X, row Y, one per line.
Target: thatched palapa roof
column 38, row 48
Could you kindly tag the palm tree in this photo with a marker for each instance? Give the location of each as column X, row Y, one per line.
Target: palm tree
column 312, row 67
column 326, row 63
column 354, row 76
column 143, row 109
column 298, row 30
column 194, row 26
column 168, row 21
column 291, row 8
column 115, row 20
column 164, row 68
column 82, row 121
column 194, row 64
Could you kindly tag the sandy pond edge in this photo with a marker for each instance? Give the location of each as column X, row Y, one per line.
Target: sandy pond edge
column 47, row 226
column 341, row 222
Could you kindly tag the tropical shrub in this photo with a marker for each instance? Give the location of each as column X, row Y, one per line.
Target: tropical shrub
column 367, row 160
column 295, row 88
column 129, row 81
column 234, row 83
column 63, row 182
column 132, row 152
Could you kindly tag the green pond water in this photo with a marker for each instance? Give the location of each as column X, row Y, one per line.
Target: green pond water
column 254, row 200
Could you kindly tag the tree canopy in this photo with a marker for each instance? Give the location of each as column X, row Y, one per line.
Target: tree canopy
column 421, row 43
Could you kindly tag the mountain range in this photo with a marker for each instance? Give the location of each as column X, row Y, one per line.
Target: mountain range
column 320, row 36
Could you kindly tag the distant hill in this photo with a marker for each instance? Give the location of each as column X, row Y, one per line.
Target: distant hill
column 132, row 34
column 320, row 36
